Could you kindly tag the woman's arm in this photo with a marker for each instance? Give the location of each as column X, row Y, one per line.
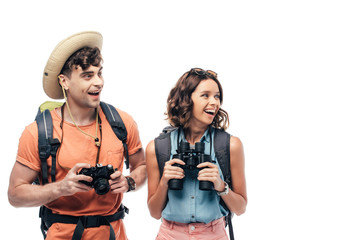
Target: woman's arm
column 158, row 185
column 236, row 199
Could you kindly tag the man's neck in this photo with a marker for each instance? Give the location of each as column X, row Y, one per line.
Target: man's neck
column 82, row 116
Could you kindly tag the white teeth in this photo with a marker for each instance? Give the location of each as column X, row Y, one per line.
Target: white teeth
column 210, row 110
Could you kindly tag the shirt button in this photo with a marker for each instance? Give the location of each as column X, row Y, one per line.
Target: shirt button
column 192, row 228
column 192, row 197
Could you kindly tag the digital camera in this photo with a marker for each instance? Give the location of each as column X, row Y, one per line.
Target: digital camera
column 191, row 158
column 100, row 175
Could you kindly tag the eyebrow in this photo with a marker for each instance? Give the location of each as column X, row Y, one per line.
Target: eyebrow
column 209, row 92
column 90, row 72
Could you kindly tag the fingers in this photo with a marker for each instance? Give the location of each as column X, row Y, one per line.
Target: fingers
column 118, row 183
column 115, row 175
column 78, row 166
column 82, row 177
column 207, row 164
column 172, row 170
column 175, row 160
column 81, row 187
column 211, row 174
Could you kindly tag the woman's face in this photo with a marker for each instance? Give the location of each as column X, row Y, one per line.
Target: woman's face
column 206, row 103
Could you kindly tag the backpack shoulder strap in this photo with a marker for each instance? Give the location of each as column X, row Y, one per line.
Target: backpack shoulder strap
column 117, row 126
column 222, row 153
column 163, row 147
column 47, row 145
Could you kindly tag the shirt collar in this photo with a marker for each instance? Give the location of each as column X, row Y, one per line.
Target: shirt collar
column 205, row 138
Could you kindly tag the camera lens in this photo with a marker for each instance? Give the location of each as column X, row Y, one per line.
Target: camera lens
column 101, row 186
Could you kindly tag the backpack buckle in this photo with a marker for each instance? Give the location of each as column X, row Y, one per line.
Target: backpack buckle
column 44, row 151
column 90, row 221
column 55, row 143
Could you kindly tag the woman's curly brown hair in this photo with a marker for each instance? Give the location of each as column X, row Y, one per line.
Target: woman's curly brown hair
column 179, row 103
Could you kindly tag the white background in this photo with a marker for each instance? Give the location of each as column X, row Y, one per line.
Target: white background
column 290, row 73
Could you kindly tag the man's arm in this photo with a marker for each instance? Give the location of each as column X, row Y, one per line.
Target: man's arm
column 137, row 165
column 22, row 193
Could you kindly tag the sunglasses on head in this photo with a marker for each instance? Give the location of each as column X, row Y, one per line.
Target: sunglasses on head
column 202, row 72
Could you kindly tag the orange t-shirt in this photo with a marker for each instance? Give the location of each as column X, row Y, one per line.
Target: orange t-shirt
column 77, row 147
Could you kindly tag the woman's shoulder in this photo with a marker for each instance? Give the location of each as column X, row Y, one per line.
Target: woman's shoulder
column 235, row 144
column 151, row 147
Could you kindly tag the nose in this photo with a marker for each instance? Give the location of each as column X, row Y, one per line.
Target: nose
column 98, row 81
column 214, row 100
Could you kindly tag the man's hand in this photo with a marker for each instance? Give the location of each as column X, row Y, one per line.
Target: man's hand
column 118, row 183
column 71, row 185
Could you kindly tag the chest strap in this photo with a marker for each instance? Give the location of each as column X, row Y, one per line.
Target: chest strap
column 82, row 222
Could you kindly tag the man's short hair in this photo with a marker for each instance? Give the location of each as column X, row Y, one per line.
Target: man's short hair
column 85, row 57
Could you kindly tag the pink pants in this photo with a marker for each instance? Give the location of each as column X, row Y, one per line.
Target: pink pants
column 214, row 230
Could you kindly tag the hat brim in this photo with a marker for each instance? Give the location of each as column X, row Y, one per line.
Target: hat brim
column 59, row 56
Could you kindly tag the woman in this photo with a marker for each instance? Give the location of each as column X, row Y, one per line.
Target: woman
column 194, row 109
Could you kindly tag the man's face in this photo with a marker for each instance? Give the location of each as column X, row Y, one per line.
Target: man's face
column 84, row 86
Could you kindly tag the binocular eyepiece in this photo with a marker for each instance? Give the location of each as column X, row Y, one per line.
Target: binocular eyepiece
column 191, row 158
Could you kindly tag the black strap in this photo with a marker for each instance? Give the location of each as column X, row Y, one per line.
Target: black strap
column 117, row 125
column 162, row 150
column 231, row 231
column 82, row 222
column 222, row 153
column 47, row 145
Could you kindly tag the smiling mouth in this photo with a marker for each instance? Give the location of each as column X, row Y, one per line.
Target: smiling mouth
column 94, row 93
column 210, row 111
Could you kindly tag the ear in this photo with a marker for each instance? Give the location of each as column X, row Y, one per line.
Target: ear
column 63, row 81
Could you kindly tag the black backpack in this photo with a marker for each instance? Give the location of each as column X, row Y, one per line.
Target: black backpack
column 48, row 146
column 222, row 153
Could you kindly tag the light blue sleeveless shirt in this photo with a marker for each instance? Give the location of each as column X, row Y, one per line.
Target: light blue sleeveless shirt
column 192, row 204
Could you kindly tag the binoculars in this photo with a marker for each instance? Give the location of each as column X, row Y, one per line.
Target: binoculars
column 191, row 158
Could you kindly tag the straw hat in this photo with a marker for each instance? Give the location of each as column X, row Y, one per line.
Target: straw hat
column 59, row 56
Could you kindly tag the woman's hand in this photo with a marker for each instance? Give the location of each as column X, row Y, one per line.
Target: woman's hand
column 210, row 172
column 172, row 172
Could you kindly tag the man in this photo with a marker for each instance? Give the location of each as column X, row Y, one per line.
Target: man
column 74, row 70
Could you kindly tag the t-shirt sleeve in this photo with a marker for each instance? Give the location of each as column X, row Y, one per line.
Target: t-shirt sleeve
column 133, row 138
column 28, row 154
